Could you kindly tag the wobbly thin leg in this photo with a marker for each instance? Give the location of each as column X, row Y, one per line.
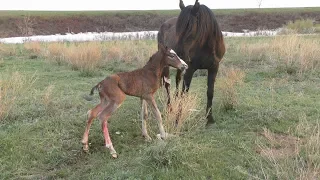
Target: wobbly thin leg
column 157, row 114
column 92, row 114
column 104, row 116
column 144, row 116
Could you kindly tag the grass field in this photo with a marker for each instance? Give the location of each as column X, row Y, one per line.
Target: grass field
column 266, row 107
column 4, row 14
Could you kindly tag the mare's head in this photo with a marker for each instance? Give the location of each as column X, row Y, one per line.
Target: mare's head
column 196, row 27
column 170, row 58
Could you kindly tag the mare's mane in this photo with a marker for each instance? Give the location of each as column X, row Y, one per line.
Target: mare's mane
column 208, row 31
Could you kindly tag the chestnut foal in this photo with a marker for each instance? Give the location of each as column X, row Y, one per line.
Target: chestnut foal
column 143, row 83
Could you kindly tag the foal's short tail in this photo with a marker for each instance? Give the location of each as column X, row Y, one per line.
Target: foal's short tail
column 89, row 97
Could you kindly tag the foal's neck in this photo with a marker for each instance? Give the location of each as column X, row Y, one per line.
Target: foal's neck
column 155, row 64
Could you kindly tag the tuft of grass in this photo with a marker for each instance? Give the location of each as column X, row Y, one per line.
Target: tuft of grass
column 56, row 52
column 85, row 57
column 163, row 154
column 296, row 53
column 7, row 50
column 230, row 82
column 47, row 96
column 184, row 114
column 34, row 47
column 11, row 90
column 304, row 26
column 291, row 54
column 130, row 52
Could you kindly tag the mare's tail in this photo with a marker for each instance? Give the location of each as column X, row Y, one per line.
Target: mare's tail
column 89, row 97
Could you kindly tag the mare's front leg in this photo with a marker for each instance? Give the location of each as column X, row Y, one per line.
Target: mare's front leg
column 212, row 74
column 187, row 79
column 178, row 79
column 166, row 81
column 144, row 116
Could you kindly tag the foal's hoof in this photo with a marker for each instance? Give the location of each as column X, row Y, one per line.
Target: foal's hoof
column 166, row 136
column 85, row 148
column 114, row 155
column 147, row 138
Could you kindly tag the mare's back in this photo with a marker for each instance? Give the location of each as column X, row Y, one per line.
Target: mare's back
column 167, row 33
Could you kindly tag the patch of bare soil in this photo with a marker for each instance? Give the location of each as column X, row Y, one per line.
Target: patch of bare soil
column 280, row 145
column 46, row 25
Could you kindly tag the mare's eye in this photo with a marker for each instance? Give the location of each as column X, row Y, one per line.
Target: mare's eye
column 171, row 55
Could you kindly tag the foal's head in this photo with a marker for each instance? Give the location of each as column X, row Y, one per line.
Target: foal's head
column 170, row 58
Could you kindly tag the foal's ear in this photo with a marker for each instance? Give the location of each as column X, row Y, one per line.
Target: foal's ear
column 181, row 5
column 162, row 48
column 195, row 8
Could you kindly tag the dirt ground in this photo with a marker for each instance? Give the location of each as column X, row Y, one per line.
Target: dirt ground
column 43, row 25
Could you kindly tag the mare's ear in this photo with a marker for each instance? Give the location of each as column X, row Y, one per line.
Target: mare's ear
column 181, row 5
column 195, row 8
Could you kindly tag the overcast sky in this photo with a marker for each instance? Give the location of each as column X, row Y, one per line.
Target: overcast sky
column 145, row 4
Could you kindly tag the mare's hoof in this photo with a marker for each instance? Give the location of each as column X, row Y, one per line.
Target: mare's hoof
column 210, row 123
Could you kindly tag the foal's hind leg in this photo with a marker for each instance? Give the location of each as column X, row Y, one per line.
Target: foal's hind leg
column 92, row 114
column 104, row 116
column 144, row 116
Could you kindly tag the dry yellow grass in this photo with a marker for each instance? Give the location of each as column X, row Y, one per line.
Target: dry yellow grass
column 34, row 47
column 231, row 79
column 185, row 113
column 253, row 51
column 136, row 52
column 292, row 53
column 47, row 96
column 7, row 50
column 84, row 56
column 56, row 52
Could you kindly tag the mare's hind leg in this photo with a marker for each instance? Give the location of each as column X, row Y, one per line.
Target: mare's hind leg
column 144, row 116
column 104, row 116
column 92, row 114
column 212, row 74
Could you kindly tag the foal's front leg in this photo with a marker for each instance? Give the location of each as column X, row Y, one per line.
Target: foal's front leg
column 144, row 116
column 157, row 113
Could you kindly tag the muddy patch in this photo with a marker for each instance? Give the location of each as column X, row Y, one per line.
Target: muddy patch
column 278, row 145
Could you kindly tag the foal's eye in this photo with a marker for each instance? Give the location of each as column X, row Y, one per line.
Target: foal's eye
column 171, row 55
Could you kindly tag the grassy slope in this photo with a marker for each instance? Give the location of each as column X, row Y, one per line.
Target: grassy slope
column 164, row 12
column 39, row 141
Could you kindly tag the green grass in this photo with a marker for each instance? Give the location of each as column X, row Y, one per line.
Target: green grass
column 41, row 139
column 4, row 14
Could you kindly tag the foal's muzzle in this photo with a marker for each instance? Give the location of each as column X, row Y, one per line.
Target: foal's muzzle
column 183, row 68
